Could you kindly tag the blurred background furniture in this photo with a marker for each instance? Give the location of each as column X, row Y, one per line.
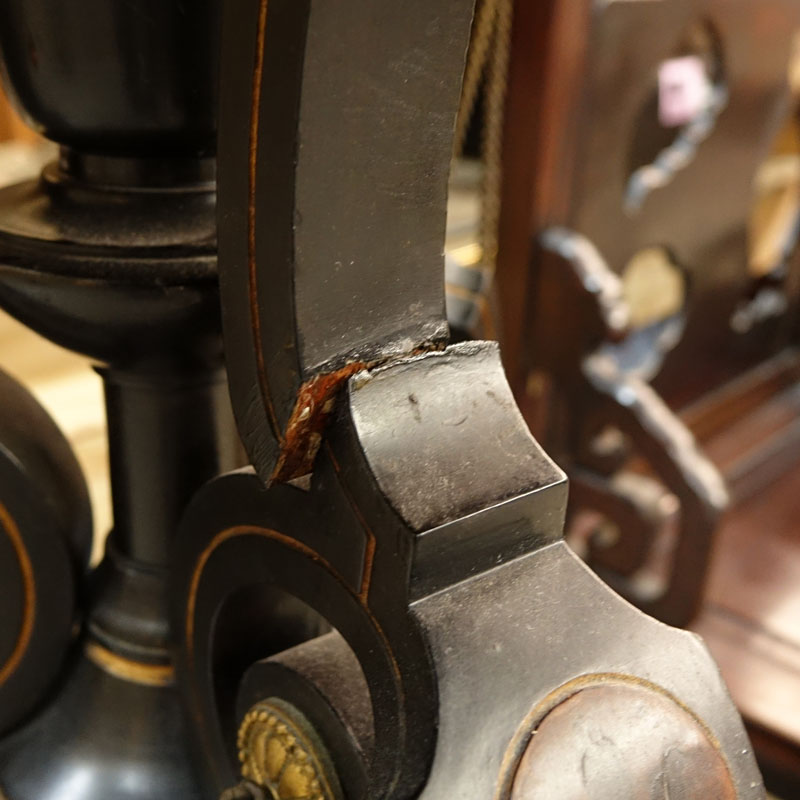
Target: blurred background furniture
column 650, row 164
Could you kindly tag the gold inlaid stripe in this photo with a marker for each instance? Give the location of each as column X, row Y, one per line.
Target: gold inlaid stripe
column 29, row 589
column 127, row 669
column 252, row 269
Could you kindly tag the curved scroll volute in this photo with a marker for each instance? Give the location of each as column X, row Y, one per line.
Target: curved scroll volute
column 45, row 541
column 336, row 127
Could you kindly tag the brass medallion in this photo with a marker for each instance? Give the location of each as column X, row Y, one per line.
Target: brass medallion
column 280, row 752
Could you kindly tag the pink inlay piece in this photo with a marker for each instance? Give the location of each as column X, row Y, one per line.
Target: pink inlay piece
column 683, row 90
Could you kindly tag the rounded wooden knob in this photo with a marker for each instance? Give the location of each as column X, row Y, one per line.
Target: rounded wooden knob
column 621, row 741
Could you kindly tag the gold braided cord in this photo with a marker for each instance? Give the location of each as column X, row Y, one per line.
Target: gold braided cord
column 492, row 146
column 479, row 54
column 487, row 70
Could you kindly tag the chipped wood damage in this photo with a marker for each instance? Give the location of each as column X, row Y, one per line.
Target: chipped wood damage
column 316, row 399
column 303, row 434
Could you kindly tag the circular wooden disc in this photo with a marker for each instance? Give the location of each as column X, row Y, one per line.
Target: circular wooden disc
column 621, row 741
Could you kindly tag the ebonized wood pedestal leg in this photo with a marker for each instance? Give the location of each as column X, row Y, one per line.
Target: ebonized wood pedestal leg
column 112, row 253
column 113, row 727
